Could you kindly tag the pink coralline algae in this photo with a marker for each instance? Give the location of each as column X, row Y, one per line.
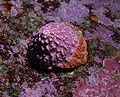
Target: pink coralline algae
column 103, row 35
column 74, row 11
column 104, row 82
column 57, row 45
column 40, row 89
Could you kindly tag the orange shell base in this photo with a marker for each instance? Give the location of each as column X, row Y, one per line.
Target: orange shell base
column 80, row 55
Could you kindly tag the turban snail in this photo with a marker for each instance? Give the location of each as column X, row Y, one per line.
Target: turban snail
column 57, row 45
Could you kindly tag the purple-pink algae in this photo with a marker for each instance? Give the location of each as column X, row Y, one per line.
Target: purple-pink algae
column 104, row 82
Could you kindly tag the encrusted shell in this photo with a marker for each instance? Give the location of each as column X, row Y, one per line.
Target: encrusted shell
column 57, row 45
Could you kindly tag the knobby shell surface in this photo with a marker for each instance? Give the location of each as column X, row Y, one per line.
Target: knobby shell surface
column 57, row 45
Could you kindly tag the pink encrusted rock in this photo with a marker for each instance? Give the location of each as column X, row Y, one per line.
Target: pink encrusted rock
column 104, row 82
column 57, row 45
